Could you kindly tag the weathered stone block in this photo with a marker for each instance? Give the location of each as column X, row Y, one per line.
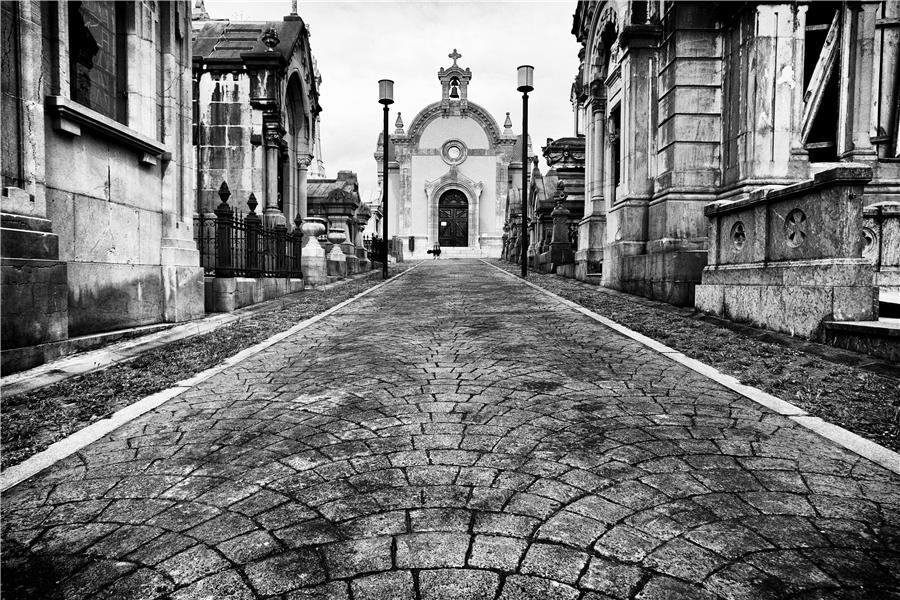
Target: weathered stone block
column 702, row 100
column 690, row 128
column 105, row 296
column 710, row 298
column 739, row 302
column 184, row 293
column 34, row 308
column 855, row 303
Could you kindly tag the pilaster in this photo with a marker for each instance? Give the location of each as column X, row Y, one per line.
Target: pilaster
column 859, row 20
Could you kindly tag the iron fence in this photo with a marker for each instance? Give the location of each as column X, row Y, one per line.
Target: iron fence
column 374, row 248
column 240, row 246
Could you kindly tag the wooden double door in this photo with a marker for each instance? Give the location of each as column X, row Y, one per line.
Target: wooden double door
column 453, row 219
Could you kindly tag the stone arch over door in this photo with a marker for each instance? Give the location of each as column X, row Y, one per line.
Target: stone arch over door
column 453, row 218
column 434, row 190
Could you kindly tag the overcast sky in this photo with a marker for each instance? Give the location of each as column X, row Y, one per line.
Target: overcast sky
column 358, row 43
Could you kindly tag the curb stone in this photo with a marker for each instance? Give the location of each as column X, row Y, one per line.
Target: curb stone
column 848, row 440
column 71, row 444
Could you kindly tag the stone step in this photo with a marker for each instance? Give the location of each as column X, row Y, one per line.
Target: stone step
column 460, row 252
column 876, row 338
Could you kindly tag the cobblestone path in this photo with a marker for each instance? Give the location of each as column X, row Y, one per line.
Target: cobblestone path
column 456, row 434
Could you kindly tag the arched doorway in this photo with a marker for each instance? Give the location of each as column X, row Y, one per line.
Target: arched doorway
column 453, row 219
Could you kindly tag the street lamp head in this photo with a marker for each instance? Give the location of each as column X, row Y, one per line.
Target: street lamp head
column 386, row 91
column 526, row 78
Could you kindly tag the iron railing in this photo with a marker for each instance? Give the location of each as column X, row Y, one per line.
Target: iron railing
column 240, row 246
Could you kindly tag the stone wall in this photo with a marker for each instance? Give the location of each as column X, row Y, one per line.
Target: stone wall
column 111, row 184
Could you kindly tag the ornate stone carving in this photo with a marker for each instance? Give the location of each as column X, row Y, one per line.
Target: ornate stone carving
column 738, row 236
column 796, row 228
column 870, row 244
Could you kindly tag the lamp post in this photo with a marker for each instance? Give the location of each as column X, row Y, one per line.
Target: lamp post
column 526, row 81
column 385, row 97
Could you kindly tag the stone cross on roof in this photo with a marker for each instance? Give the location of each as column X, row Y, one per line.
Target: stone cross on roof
column 454, row 55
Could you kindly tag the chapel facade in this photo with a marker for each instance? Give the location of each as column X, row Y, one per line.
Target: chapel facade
column 449, row 173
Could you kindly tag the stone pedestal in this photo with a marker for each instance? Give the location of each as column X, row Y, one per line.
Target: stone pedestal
column 589, row 257
column 336, row 260
column 361, row 256
column 312, row 259
column 560, row 246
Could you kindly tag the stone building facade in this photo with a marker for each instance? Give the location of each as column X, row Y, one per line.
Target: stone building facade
column 256, row 114
column 449, row 172
column 97, row 172
column 725, row 141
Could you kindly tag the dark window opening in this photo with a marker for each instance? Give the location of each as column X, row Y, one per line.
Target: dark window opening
column 97, row 56
column 11, row 143
column 615, row 139
column 821, row 87
column 639, row 12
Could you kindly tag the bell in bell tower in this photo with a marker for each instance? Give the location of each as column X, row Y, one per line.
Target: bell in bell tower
column 454, row 81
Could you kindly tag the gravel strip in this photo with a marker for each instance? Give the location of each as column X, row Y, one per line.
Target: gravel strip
column 30, row 422
column 799, row 372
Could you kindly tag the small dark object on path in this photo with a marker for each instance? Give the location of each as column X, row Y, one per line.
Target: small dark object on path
column 436, row 251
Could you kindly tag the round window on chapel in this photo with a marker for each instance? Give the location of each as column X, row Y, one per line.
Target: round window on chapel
column 454, row 152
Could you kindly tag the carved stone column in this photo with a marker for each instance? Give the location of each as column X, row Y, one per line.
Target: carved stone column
column 273, row 133
column 598, row 143
column 302, row 189
column 861, row 17
column 592, row 228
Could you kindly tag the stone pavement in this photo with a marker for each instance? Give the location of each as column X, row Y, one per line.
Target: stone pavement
column 456, row 434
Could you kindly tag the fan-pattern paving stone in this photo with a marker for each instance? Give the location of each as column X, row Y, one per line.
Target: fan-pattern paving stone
column 456, row 435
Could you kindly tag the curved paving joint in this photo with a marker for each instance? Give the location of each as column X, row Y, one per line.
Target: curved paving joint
column 456, row 435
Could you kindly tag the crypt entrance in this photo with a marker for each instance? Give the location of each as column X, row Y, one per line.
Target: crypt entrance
column 453, row 219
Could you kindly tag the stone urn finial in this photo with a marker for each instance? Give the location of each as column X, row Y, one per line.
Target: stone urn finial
column 224, row 193
column 252, row 203
column 313, row 227
column 270, row 39
column 337, row 235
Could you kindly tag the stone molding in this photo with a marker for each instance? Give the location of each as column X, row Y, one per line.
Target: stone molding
column 69, row 117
